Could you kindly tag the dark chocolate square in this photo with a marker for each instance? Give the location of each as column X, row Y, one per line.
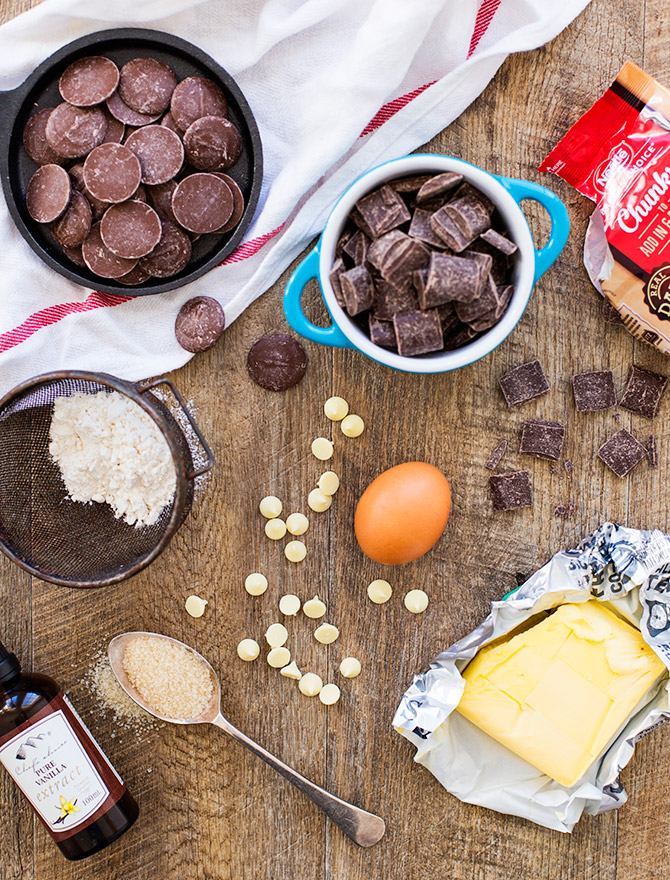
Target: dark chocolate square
column 382, row 247
column 542, row 438
column 496, row 456
column 499, row 241
column 622, row 452
column 446, row 228
column 390, row 300
column 357, row 247
column 644, row 391
column 382, row 333
column 421, row 229
column 450, row 278
column 594, row 391
column 357, row 290
column 418, row 333
column 511, row 491
column 335, row 273
column 410, row 184
column 569, row 466
column 565, row 511
column 486, row 302
column 402, row 259
column 523, row 383
column 382, row 211
column 438, row 185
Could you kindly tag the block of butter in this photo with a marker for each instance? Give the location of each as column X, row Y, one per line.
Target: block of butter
column 556, row 694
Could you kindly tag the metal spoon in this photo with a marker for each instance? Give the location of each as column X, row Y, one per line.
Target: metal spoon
column 362, row 827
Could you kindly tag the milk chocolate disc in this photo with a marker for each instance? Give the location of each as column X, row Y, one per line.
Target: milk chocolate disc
column 160, row 151
column 202, row 203
column 74, row 254
column 146, row 85
column 212, row 143
column 112, row 173
column 160, row 199
column 170, row 255
column 238, row 202
column 130, row 229
column 116, row 130
column 100, row 260
column 48, row 193
column 77, row 178
column 89, row 81
column 121, row 111
column 199, row 324
column 35, row 141
column 194, row 97
column 168, row 122
column 73, row 227
column 135, row 276
column 74, row 131
column 277, row 362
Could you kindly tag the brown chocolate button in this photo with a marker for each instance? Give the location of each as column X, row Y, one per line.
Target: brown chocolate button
column 100, row 260
column 89, row 81
column 130, row 229
column 77, row 178
column 115, row 130
column 160, row 151
column 121, row 111
column 74, row 131
column 277, row 362
column 195, row 97
column 202, row 203
column 112, row 172
column 199, row 324
column 238, row 202
column 146, row 85
column 48, row 193
column 74, row 226
column 35, row 141
column 74, row 254
column 212, row 143
column 135, row 276
column 168, row 122
column 160, row 199
column 170, row 255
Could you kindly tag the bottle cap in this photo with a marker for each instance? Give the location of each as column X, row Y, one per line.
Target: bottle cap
column 9, row 665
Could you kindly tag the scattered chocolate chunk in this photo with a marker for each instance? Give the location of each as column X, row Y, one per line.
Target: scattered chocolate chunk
column 199, row 324
column 609, row 313
column 652, row 451
column 523, row 383
column 622, row 452
column 496, row 456
column 511, row 491
column 644, row 391
column 391, row 300
column 418, row 332
column 594, row 391
column 569, row 466
column 438, row 186
column 382, row 333
column 565, row 511
column 382, row 211
column 499, row 241
column 357, row 290
column 542, row 438
column 357, row 248
column 277, row 362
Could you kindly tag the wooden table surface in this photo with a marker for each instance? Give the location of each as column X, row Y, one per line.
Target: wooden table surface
column 209, row 810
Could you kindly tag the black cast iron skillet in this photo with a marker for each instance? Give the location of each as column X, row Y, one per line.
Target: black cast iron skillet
column 41, row 90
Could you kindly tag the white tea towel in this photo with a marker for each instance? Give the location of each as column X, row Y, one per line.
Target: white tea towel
column 337, row 86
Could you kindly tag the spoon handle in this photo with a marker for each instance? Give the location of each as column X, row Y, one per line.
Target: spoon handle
column 362, row 827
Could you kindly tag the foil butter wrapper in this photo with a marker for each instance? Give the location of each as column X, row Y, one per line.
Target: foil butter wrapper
column 626, row 569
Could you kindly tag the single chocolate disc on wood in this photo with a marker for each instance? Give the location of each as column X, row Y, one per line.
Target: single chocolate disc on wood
column 112, row 172
column 130, row 229
column 135, row 276
column 121, row 111
column 212, row 143
column 116, row 130
column 160, row 151
column 160, row 199
column 74, row 131
column 277, row 362
column 170, row 255
column 146, row 85
column 89, row 81
column 35, row 142
column 202, row 203
column 73, row 227
column 238, row 202
column 100, row 260
column 199, row 324
column 48, row 193
column 194, row 97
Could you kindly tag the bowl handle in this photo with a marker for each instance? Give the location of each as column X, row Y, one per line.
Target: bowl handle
column 306, row 271
column 560, row 221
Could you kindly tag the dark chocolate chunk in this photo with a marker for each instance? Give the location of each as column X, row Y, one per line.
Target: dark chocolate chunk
column 652, row 451
column 568, row 465
column 490, row 319
column 622, row 452
column 485, row 304
column 390, row 300
column 382, row 332
column 565, row 511
column 501, row 262
column 459, row 335
column 542, row 438
column 511, row 491
column 418, row 333
column 497, row 240
column 594, row 391
column 523, row 383
column 468, row 191
column 445, row 227
column 335, row 273
column 448, row 318
column 402, row 259
column 470, row 216
column 382, row 211
column 610, row 314
column 421, row 229
column 496, row 456
column 644, row 391
column 199, row 324
column 450, row 278
column 410, row 184
column 357, row 247
column 277, row 362
column 357, row 290
column 438, row 185
column 381, row 249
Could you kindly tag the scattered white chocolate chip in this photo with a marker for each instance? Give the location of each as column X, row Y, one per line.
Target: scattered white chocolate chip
column 416, row 601
column 336, row 408
column 195, row 606
column 350, row 667
column 248, row 649
column 379, row 591
column 279, row 657
column 318, row 501
column 326, row 633
column 256, row 584
column 291, row 671
column 322, row 449
column 314, row 608
column 275, row 529
column 270, row 507
column 329, row 694
column 352, row 426
column 329, row 483
column 297, row 523
column 276, row 635
column 289, row 604
column 295, row 551
column 310, row 684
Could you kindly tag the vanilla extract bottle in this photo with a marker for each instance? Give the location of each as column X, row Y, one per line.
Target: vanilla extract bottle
column 52, row 757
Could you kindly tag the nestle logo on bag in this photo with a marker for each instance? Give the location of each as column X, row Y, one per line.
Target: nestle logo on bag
column 621, row 157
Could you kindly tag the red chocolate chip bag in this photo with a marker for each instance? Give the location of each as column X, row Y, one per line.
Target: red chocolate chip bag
column 618, row 154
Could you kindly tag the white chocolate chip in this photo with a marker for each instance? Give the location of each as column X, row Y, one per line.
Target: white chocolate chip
column 297, row 523
column 295, row 551
column 329, row 483
column 314, row 608
column 276, row 635
column 379, row 591
column 352, row 426
column 310, row 684
column 248, row 649
column 291, row 671
column 336, row 408
column 322, row 449
column 275, row 529
column 318, row 501
column 289, row 604
column 329, row 694
column 350, row 667
column 270, row 507
column 279, row 657
column 195, row 606
column 256, row 584
column 326, row 633
column 416, row 601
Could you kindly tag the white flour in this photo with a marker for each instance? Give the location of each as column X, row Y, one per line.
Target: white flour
column 110, row 451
